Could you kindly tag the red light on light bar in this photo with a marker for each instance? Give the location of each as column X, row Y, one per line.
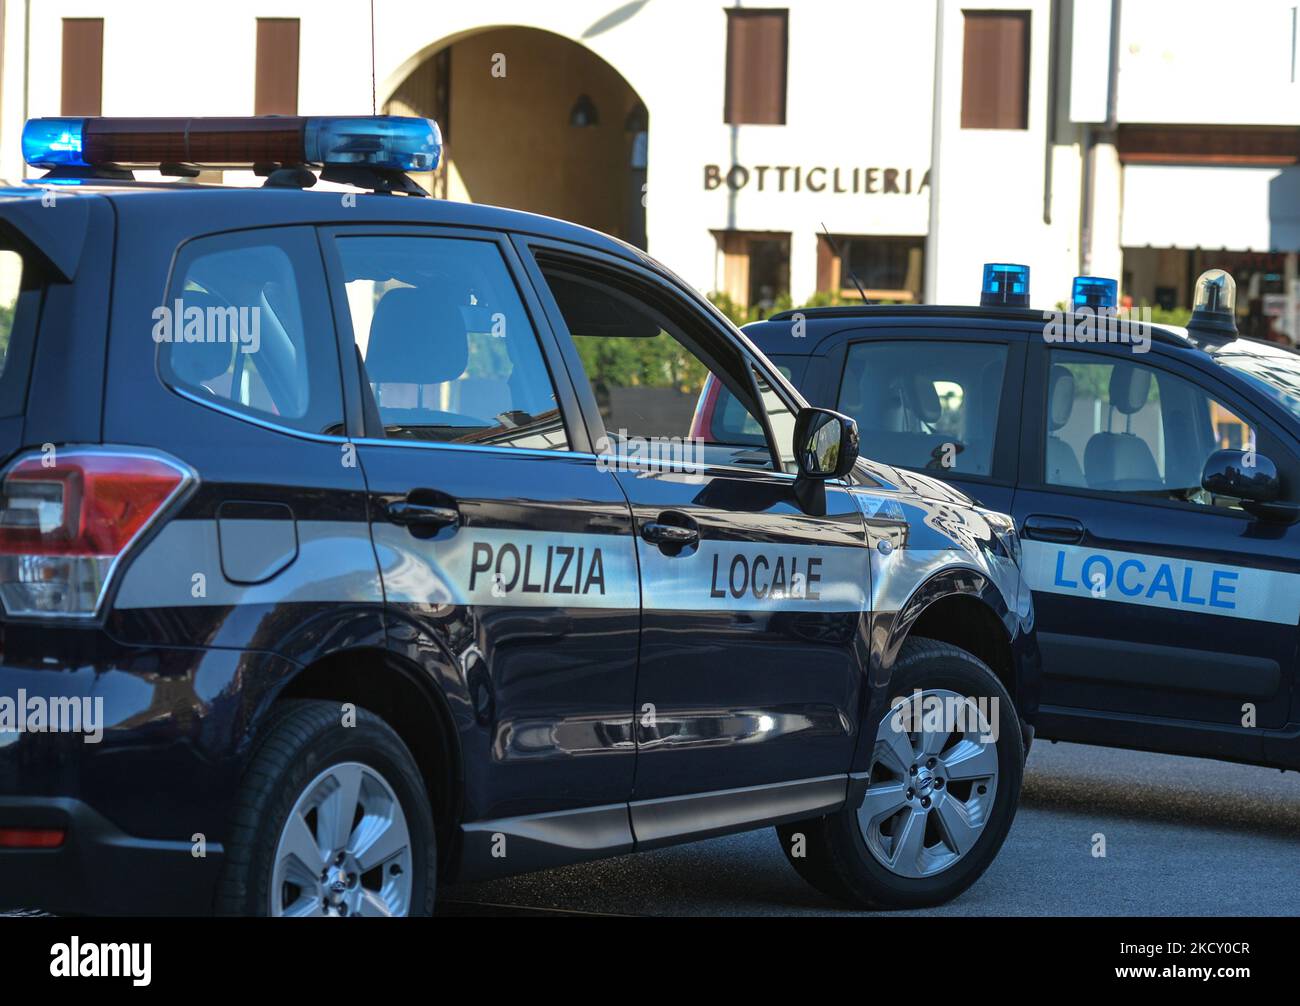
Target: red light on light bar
column 32, row 838
column 211, row 142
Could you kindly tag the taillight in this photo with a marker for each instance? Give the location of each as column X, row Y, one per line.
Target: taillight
column 31, row 838
column 67, row 516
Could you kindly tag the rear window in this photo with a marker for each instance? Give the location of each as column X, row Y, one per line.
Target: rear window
column 246, row 327
column 20, row 295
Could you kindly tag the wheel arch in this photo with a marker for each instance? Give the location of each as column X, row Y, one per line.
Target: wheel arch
column 396, row 690
column 963, row 607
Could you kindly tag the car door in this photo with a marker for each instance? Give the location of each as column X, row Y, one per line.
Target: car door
column 506, row 552
column 942, row 404
column 1153, row 599
column 752, row 632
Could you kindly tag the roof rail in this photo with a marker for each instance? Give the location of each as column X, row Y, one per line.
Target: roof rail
column 1020, row 314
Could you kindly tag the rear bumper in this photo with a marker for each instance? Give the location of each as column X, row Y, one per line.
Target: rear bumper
column 100, row 870
column 144, row 797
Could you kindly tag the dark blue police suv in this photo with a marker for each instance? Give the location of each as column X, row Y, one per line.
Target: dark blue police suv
column 353, row 542
column 1153, row 474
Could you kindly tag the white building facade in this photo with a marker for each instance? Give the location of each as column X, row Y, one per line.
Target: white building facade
column 1141, row 139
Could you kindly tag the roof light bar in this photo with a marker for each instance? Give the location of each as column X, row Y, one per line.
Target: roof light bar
column 1005, row 285
column 384, row 142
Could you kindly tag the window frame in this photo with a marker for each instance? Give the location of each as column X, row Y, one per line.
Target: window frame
column 532, row 248
column 1270, row 439
column 1005, row 459
column 354, row 384
column 182, row 257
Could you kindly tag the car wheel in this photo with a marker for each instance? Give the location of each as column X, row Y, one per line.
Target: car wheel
column 331, row 820
column 930, row 814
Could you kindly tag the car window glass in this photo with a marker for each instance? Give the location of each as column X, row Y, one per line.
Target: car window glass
column 246, row 325
column 653, row 380
column 449, row 352
column 781, row 418
column 20, row 297
column 926, row 404
column 730, row 422
column 1119, row 426
column 11, row 278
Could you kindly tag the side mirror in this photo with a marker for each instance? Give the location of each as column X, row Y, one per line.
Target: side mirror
column 1227, row 473
column 1257, row 485
column 825, row 444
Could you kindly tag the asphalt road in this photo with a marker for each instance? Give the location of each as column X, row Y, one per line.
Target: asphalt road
column 1183, row 836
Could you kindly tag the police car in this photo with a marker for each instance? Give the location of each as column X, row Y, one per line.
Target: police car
column 349, row 547
column 1154, row 477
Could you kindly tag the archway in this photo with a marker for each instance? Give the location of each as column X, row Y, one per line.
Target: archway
column 534, row 121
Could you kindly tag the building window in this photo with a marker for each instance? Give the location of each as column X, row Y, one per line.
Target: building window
column 995, row 70
column 757, row 47
column 755, row 268
column 276, row 88
column 83, row 66
column 889, row 268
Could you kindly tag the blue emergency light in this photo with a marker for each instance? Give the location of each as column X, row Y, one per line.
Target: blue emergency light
column 48, row 143
column 1005, row 285
column 380, row 142
column 1094, row 292
column 401, row 143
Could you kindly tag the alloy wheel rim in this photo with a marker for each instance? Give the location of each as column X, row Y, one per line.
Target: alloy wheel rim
column 344, row 850
column 930, row 793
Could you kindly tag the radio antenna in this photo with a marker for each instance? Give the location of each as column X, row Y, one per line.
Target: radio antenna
column 835, row 248
column 374, row 102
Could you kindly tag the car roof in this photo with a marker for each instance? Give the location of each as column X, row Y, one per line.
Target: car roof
column 821, row 325
column 239, row 206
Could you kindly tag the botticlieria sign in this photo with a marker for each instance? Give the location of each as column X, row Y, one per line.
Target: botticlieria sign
column 798, row 178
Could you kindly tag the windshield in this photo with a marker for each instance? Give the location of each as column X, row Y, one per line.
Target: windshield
column 1278, row 376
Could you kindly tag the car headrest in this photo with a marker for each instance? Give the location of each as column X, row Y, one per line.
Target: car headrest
column 197, row 362
column 926, row 399
column 417, row 336
column 1129, row 387
column 1060, row 396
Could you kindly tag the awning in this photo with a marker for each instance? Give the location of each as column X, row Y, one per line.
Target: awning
column 1200, row 206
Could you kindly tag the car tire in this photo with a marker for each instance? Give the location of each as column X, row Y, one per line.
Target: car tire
column 840, row 860
column 308, row 768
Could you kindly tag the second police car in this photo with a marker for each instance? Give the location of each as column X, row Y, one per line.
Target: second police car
column 350, row 545
column 1153, row 474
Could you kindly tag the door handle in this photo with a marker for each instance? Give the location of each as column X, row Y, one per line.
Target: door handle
column 671, row 531
column 1061, row 530
column 668, row 534
column 421, row 516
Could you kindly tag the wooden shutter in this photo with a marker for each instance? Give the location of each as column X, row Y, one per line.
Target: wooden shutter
column 757, row 48
column 83, row 66
column 995, row 70
column 276, row 89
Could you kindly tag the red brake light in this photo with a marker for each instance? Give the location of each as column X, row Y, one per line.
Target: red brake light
column 31, row 838
column 65, row 519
